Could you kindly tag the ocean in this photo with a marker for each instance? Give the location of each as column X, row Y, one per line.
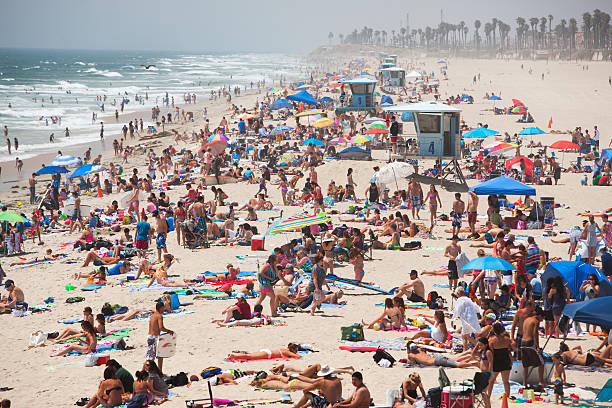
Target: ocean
column 73, row 79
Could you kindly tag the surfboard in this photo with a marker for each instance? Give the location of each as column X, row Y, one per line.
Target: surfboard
column 213, row 180
column 69, row 210
column 166, row 345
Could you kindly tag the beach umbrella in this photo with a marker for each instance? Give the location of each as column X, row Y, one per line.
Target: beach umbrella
column 532, row 131
column 280, row 129
column 391, row 172
column 66, row 161
column 488, row 262
column 373, row 120
column 12, row 217
column 334, row 77
column 515, row 163
column 594, row 311
column 360, row 139
column 247, row 116
column 564, row 145
column 51, row 170
column 281, row 104
column 520, row 109
column 87, row 169
column 494, row 98
column 326, row 99
column 216, row 146
column 323, row 122
column 501, row 148
column 338, row 140
column 385, row 105
column 313, row 141
column 309, row 112
column 441, row 62
column 218, row 137
column 376, row 131
column 516, row 103
column 480, row 133
column 304, row 86
column 378, row 125
column 335, row 85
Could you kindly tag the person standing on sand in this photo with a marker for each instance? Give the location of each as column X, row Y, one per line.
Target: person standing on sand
column 32, row 184
column 415, row 193
column 162, row 233
column 101, row 130
column 457, row 214
column 452, row 251
column 156, row 326
column 472, row 209
column 76, row 214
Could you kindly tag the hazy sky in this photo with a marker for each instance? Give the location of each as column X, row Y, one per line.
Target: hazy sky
column 240, row 25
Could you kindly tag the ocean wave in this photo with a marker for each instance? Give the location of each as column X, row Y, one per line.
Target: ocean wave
column 79, row 63
column 104, row 72
column 129, row 67
column 29, row 68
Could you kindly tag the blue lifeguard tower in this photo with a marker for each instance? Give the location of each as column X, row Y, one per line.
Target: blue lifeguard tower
column 438, row 137
column 393, row 76
column 362, row 99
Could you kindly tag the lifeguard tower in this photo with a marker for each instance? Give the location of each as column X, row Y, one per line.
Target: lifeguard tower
column 393, row 76
column 393, row 57
column 386, row 65
column 362, row 99
column 438, row 137
column 390, row 60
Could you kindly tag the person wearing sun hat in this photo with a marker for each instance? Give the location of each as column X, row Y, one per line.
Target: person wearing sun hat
column 329, row 389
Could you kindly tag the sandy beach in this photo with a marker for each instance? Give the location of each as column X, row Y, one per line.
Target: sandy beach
column 569, row 94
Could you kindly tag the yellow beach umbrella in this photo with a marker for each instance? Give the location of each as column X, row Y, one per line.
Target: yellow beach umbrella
column 322, row 123
column 309, row 112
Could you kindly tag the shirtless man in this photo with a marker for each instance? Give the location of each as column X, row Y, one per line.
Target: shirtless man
column 76, row 215
column 109, row 391
column 32, row 184
column 530, row 346
column 14, row 298
column 452, row 251
column 156, row 326
column 472, row 212
column 161, row 227
column 198, row 212
column 413, row 290
column 517, row 325
column 360, row 397
column 328, row 387
column 457, row 213
column 415, row 194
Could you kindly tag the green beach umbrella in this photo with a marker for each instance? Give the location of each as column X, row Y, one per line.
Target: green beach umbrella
column 11, row 217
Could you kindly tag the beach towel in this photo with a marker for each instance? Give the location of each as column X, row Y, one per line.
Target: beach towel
column 111, row 335
column 71, row 321
column 237, row 360
column 174, row 313
column 242, row 274
column 91, row 288
column 331, row 306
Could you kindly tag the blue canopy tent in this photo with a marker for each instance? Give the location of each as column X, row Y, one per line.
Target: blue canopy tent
column 407, row 117
column 51, row 170
column 574, row 273
column 503, row 185
column 606, row 155
column 531, row 131
column 303, row 96
column 467, row 98
column 281, row 104
column 595, row 311
column 386, row 99
column 313, row 141
column 86, row 169
column 326, row 99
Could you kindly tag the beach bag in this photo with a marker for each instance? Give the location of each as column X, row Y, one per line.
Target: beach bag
column 91, row 359
column 37, row 339
column 107, row 310
column 75, row 299
column 210, row 372
column 381, row 354
column 352, row 333
column 413, row 244
column 434, row 397
column 432, row 300
column 178, row 380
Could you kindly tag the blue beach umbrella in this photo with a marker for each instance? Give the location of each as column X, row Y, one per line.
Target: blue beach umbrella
column 313, row 141
column 326, row 99
column 66, row 161
column 86, row 169
column 281, row 104
column 51, row 170
column 480, row 133
column 494, row 98
column 488, row 262
column 532, row 131
column 280, row 129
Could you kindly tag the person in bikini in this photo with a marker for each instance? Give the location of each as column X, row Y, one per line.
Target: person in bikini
column 49, row 256
column 390, row 319
column 109, row 392
column 266, row 354
column 160, row 274
column 576, row 356
column 91, row 342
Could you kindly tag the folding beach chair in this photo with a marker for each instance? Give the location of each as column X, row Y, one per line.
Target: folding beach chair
column 605, row 394
column 203, row 402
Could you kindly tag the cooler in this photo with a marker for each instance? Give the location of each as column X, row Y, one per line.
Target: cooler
column 458, row 396
column 257, row 242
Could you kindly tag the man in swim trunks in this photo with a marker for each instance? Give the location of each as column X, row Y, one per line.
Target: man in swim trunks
column 15, row 297
column 413, row 290
column 457, row 213
column 161, row 228
column 530, row 349
column 156, row 326
column 415, row 194
column 472, row 212
column 452, row 252
column 143, row 234
column 328, row 387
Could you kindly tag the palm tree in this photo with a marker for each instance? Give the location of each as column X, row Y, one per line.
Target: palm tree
column 341, row 38
column 563, row 33
column 487, row 30
column 586, row 23
column 605, row 28
column 330, row 36
column 550, row 19
column 477, row 25
column 572, row 29
column 596, row 28
column 543, row 23
column 402, row 35
column 533, row 21
column 520, row 21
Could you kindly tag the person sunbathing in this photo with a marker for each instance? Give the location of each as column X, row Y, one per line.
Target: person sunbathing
column 92, row 256
column 477, row 354
column 437, row 333
column 70, row 332
column 274, row 382
column 257, row 319
column 99, row 274
column 576, row 356
column 390, row 319
column 89, row 345
column 418, row 356
column 49, row 256
column 229, row 377
column 267, row 354
column 310, row 371
column 160, row 274
column 142, row 313
column 231, row 275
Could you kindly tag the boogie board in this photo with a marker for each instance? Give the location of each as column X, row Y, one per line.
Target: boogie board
column 353, row 282
column 166, row 345
column 214, row 180
column 69, row 210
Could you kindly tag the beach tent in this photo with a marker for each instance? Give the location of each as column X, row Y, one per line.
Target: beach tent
column 595, row 311
column 467, row 98
column 503, row 185
column 303, row 96
column 281, row 104
column 355, row 153
column 574, row 273
column 51, row 170
column 606, row 155
column 87, row 169
column 386, row 99
column 515, row 163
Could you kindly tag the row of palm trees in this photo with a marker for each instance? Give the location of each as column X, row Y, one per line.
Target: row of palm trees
column 534, row 33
